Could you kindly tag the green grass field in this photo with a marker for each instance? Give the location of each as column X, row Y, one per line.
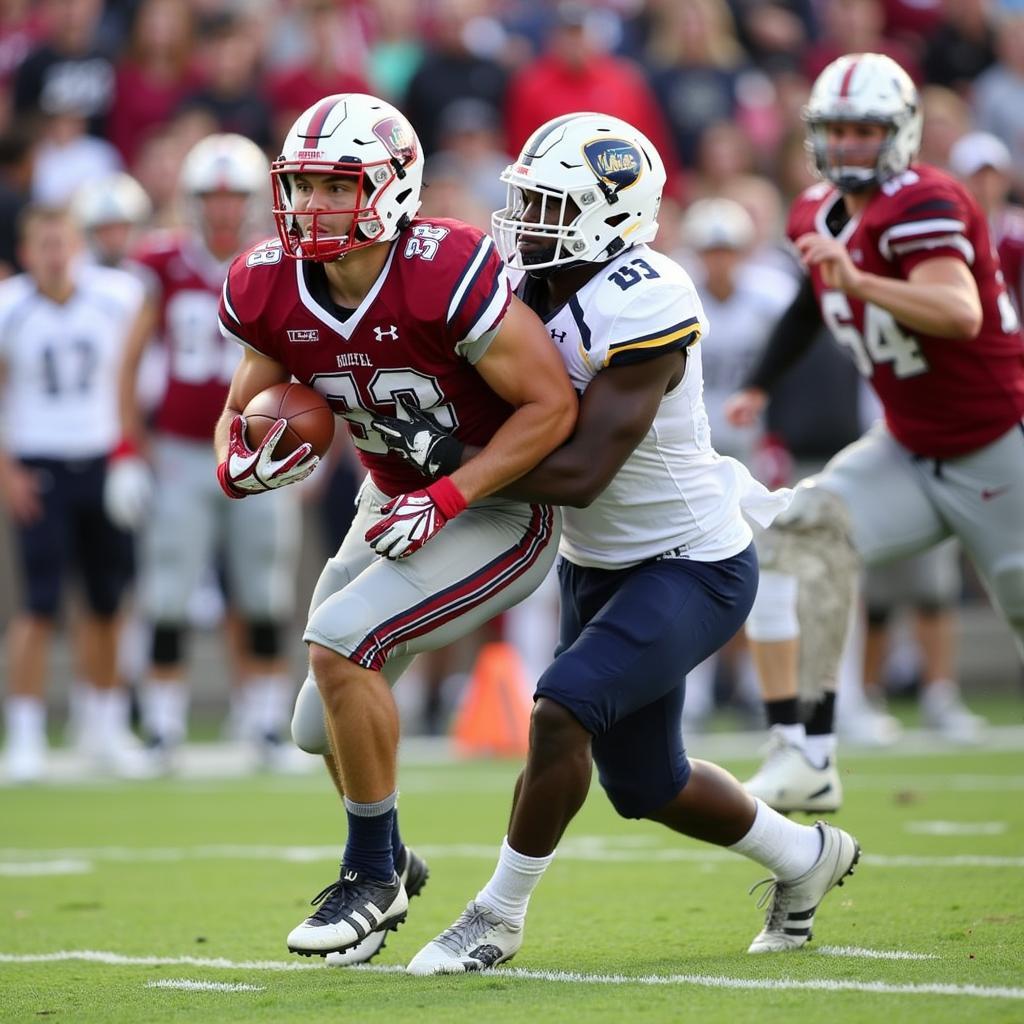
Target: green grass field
column 110, row 892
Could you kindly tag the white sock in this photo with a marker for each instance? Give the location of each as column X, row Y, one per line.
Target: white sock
column 514, row 879
column 820, row 749
column 165, row 709
column 25, row 720
column 796, row 735
column 270, row 704
column 110, row 714
column 784, row 847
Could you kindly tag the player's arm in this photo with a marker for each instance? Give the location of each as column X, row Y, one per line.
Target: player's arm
column 939, row 297
column 18, row 486
column 524, row 368
column 139, row 336
column 793, row 334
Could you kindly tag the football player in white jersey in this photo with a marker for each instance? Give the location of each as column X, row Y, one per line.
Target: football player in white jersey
column 63, row 325
column 657, row 565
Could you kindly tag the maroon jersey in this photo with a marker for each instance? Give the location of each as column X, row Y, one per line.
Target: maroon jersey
column 200, row 361
column 942, row 396
column 1008, row 235
column 441, row 294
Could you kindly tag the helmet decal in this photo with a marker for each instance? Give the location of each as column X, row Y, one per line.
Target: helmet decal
column 315, row 128
column 397, row 138
column 614, row 161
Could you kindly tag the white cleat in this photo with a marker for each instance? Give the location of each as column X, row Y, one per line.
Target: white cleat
column 943, row 710
column 790, row 916
column 25, row 760
column 349, row 910
column 478, row 941
column 413, row 872
column 788, row 782
column 868, row 726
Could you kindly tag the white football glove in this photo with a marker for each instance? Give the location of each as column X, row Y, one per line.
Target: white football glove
column 128, row 490
column 250, row 471
column 410, row 520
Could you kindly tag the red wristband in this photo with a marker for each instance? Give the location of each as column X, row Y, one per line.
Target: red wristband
column 126, row 449
column 447, row 497
column 225, row 483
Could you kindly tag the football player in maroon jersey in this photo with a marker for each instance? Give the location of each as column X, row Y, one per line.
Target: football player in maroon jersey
column 377, row 309
column 901, row 268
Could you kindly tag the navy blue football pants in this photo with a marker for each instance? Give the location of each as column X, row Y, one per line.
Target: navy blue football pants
column 628, row 637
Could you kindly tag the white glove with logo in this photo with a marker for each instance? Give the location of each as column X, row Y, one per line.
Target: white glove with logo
column 128, row 488
column 250, row 471
column 410, row 520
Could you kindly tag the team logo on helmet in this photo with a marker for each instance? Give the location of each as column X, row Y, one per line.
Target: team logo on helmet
column 615, row 161
column 397, row 138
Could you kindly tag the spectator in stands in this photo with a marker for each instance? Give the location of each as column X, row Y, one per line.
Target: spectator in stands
column 998, row 93
column 460, row 64
column 233, row 93
column 576, row 73
column 962, row 46
column 946, row 118
column 701, row 76
column 68, row 68
column 319, row 71
column 154, row 75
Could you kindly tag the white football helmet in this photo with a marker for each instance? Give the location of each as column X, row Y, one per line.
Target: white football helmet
column 114, row 199
column 864, row 88
column 607, row 170
column 225, row 163
column 357, row 136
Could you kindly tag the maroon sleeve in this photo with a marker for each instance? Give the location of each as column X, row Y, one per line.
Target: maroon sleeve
column 243, row 298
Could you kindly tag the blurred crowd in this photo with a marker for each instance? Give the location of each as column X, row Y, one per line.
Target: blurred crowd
column 89, row 89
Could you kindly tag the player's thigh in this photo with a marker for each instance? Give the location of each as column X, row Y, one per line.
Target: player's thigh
column 891, row 513
column 178, row 538
column 982, row 497
column 641, row 631
column 45, row 545
column 930, row 579
column 490, row 557
column 262, row 539
column 103, row 551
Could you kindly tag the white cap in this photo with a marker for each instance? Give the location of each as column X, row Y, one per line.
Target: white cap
column 975, row 150
column 717, row 224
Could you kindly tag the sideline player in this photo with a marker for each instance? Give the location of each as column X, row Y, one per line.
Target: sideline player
column 901, row 268
column 373, row 307
column 63, row 326
column 658, row 567
column 223, row 185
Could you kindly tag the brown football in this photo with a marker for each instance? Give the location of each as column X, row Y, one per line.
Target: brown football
column 309, row 418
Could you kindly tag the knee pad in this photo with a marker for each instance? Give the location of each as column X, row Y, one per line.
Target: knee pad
column 773, row 615
column 309, row 730
column 166, row 644
column 264, row 638
column 811, row 543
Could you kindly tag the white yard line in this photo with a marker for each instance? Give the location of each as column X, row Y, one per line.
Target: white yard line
column 190, row 985
column 561, row 977
column 874, row 954
column 583, row 848
column 28, row 868
column 956, row 828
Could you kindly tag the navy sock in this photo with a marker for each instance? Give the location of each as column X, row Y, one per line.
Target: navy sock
column 822, row 720
column 783, row 712
column 397, row 846
column 370, row 827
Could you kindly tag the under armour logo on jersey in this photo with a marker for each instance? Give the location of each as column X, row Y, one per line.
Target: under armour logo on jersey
column 391, row 332
column 559, row 336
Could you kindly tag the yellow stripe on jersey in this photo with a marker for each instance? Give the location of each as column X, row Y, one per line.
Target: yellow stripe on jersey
column 690, row 331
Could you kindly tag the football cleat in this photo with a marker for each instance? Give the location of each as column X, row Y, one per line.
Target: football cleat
column 943, row 710
column 413, row 872
column 349, row 910
column 477, row 941
column 788, row 782
column 792, row 904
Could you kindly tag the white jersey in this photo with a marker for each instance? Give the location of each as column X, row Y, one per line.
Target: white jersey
column 674, row 493
column 742, row 323
column 61, row 362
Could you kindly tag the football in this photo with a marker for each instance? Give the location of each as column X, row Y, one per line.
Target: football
column 309, row 418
